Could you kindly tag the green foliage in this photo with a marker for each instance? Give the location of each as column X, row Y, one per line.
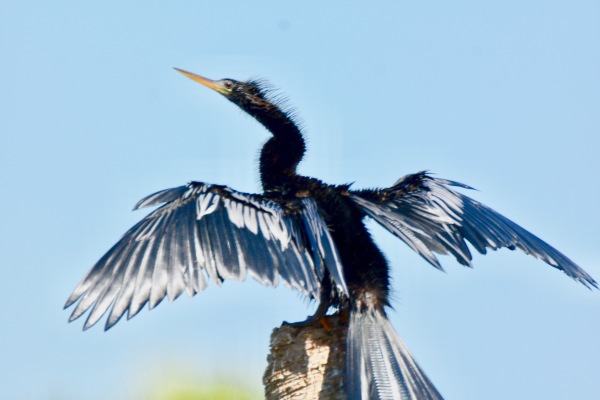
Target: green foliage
column 181, row 390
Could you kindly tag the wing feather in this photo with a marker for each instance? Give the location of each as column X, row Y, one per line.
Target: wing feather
column 143, row 279
column 201, row 232
column 431, row 217
column 127, row 288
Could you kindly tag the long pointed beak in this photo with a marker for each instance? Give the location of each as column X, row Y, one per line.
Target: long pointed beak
column 214, row 85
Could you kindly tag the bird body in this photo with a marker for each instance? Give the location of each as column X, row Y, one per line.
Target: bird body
column 308, row 234
column 365, row 268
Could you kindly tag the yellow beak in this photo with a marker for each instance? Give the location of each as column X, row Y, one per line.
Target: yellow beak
column 214, row 85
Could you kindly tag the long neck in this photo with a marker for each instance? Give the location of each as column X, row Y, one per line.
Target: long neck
column 283, row 152
column 279, row 158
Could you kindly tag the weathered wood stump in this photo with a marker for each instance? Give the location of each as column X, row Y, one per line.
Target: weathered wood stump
column 307, row 362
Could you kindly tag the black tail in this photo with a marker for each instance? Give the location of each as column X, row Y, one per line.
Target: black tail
column 378, row 364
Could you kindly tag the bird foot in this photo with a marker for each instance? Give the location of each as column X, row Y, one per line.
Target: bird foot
column 320, row 317
column 320, row 314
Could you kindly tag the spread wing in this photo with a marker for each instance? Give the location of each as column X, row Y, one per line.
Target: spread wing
column 431, row 217
column 206, row 232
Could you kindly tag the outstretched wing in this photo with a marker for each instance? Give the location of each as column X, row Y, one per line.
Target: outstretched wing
column 207, row 231
column 431, row 217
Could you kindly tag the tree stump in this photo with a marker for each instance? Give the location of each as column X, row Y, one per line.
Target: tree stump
column 307, row 362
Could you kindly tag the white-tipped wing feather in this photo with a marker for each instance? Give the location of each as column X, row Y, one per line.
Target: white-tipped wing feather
column 430, row 217
column 207, row 232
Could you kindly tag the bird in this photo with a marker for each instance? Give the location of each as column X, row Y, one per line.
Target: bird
column 309, row 235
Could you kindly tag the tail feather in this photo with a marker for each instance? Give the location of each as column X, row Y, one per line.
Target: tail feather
column 379, row 365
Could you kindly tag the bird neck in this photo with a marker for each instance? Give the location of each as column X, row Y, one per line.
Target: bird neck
column 278, row 160
column 282, row 153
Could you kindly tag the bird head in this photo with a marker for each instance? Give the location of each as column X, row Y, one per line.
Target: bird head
column 259, row 100
column 240, row 93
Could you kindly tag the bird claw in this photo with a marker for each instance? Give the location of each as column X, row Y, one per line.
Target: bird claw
column 320, row 314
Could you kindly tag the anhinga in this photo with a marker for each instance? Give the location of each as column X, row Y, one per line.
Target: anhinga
column 309, row 234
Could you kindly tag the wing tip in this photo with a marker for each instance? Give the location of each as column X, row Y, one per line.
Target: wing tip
column 70, row 301
column 434, row 261
column 111, row 321
column 587, row 281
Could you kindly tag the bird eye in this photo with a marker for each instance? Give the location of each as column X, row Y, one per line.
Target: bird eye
column 228, row 84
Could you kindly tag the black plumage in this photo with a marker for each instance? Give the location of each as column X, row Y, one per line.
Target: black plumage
column 308, row 234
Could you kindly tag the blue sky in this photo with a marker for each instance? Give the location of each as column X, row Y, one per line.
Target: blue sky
column 502, row 96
